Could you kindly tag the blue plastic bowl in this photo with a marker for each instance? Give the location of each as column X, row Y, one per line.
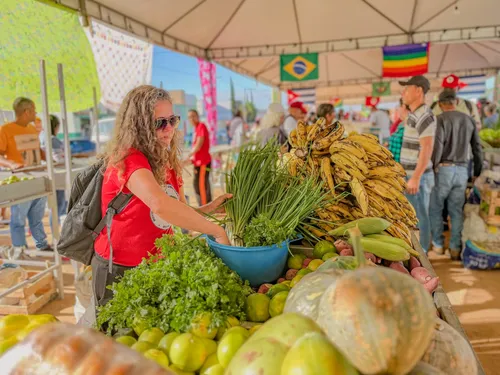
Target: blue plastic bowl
column 258, row 265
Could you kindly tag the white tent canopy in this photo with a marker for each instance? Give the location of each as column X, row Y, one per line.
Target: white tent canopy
column 248, row 36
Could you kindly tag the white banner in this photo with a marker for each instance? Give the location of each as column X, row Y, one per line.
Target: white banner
column 123, row 62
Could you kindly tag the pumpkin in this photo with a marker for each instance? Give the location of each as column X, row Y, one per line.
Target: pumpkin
column 304, row 297
column 423, row 368
column 450, row 352
column 381, row 320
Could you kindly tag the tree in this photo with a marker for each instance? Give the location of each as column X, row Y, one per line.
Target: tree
column 234, row 105
column 250, row 109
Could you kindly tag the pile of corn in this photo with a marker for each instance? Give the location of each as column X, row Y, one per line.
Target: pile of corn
column 357, row 165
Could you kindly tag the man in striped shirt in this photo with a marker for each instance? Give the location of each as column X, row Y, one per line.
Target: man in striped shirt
column 416, row 152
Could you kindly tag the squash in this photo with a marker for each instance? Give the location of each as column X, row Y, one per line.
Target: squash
column 381, row 320
column 304, row 297
column 450, row 352
column 423, row 368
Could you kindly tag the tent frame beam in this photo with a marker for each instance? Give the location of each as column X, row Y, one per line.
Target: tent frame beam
column 466, row 34
column 380, row 13
column 365, row 81
column 184, row 15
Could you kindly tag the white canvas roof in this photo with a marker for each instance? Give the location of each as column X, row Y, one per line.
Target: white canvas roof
column 248, row 36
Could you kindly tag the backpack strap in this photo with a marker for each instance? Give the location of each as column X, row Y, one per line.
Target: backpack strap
column 116, row 205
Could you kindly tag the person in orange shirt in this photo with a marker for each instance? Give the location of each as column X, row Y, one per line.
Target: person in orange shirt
column 20, row 147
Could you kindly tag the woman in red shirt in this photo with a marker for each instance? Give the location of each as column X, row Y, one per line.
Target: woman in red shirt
column 143, row 158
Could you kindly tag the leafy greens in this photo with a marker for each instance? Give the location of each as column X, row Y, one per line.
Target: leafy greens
column 168, row 291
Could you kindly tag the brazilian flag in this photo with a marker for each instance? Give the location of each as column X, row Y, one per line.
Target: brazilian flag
column 299, row 67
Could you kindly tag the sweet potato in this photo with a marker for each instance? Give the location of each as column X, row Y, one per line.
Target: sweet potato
column 341, row 245
column 414, row 263
column 290, row 274
column 371, row 257
column 347, row 252
column 421, row 275
column 264, row 288
column 432, row 284
column 398, row 266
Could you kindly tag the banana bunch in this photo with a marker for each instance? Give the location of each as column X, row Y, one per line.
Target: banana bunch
column 357, row 164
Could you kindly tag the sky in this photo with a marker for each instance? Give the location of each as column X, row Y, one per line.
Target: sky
column 180, row 72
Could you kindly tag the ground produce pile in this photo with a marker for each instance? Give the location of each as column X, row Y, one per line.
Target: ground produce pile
column 344, row 316
column 358, row 165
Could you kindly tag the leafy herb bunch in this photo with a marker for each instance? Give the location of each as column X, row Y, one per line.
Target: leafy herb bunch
column 168, row 291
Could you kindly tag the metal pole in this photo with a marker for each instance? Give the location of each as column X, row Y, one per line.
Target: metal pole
column 64, row 120
column 50, row 167
column 95, row 117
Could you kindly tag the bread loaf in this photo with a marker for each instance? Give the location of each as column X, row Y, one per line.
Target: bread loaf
column 65, row 349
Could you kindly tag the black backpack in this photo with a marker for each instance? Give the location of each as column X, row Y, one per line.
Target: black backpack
column 84, row 221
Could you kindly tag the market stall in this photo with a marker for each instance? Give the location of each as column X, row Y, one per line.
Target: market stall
column 355, row 283
column 39, row 288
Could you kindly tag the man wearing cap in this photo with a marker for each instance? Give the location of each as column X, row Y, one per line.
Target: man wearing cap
column 297, row 112
column 416, row 152
column 452, row 83
column 455, row 131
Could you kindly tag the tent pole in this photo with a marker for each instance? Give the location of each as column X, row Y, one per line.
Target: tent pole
column 95, row 120
column 495, row 87
column 64, row 120
column 52, row 200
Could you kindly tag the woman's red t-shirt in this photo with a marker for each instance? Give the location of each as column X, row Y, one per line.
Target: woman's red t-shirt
column 136, row 227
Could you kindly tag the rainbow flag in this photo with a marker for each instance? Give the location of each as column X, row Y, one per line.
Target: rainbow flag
column 405, row 61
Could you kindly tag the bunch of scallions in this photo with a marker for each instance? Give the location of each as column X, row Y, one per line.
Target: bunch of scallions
column 269, row 205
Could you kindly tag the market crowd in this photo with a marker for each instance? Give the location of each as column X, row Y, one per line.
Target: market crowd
column 438, row 146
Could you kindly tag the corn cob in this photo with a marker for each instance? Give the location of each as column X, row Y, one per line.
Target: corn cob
column 367, row 225
column 385, row 250
column 395, row 241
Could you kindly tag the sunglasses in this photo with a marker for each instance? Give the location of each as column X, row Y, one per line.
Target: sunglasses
column 162, row 122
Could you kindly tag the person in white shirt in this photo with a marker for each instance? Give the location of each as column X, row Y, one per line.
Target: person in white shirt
column 237, row 130
column 381, row 120
column 297, row 112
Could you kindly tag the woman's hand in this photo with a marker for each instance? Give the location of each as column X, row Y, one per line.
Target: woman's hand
column 221, row 237
column 216, row 206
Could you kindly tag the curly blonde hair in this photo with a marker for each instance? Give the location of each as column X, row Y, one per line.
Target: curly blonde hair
column 135, row 128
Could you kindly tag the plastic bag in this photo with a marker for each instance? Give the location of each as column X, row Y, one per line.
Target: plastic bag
column 475, row 229
column 84, row 293
column 66, row 349
column 480, row 258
